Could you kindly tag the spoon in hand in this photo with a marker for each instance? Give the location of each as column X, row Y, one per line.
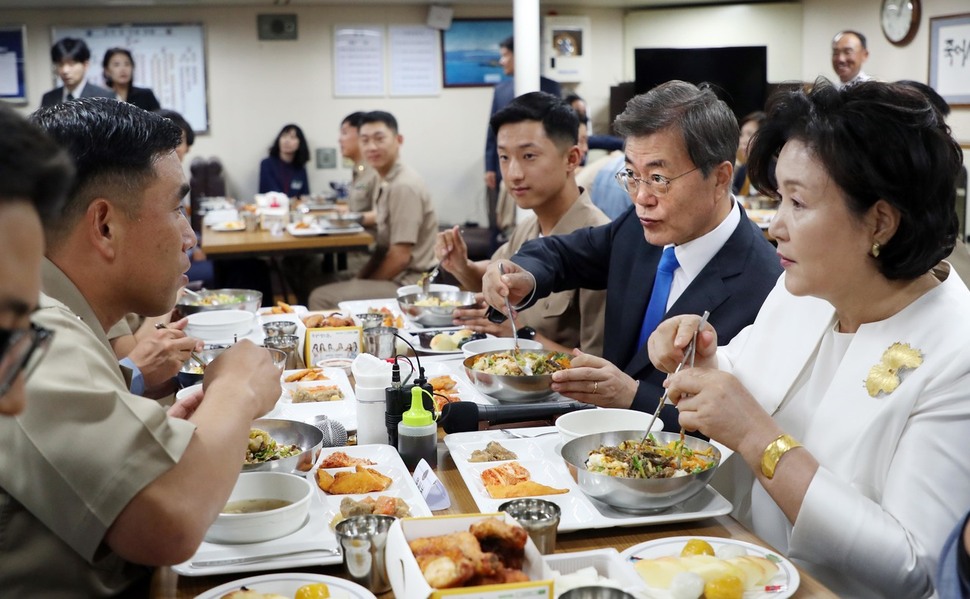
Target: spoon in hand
column 522, row 362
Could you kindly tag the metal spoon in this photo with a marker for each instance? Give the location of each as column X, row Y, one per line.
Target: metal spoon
column 428, row 277
column 517, row 354
column 202, row 363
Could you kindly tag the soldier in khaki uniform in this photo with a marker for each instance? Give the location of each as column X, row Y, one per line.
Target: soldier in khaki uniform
column 97, row 484
column 538, row 153
column 406, row 221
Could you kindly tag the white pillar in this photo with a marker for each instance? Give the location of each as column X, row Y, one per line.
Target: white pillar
column 527, row 40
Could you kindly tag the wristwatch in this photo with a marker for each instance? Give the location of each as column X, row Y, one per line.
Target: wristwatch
column 526, row 333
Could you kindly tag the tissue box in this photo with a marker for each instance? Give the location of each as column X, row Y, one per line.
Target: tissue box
column 408, row 581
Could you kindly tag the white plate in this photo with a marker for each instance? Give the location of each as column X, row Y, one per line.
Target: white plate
column 452, row 368
column 229, row 227
column 267, row 311
column 541, row 457
column 413, row 338
column 288, row 583
column 314, row 230
column 343, row 411
column 787, row 577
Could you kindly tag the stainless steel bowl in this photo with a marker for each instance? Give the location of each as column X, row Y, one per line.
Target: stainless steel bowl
column 289, row 432
column 191, row 373
column 638, row 495
column 279, row 327
column 596, row 592
column 346, row 220
column 435, row 316
column 237, row 299
column 509, row 388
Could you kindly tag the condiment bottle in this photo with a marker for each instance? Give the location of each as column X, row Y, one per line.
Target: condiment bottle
column 417, row 433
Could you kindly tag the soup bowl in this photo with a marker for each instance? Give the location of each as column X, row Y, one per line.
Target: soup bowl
column 286, row 496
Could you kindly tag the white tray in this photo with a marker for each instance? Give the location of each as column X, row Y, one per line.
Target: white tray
column 343, row 411
column 540, row 456
column 315, row 230
column 288, row 583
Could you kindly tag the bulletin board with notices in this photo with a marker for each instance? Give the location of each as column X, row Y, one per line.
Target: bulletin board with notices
column 169, row 59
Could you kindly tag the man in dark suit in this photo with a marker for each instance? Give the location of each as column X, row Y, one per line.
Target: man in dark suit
column 503, row 94
column 71, row 57
column 681, row 143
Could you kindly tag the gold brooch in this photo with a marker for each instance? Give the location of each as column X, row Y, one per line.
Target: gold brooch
column 884, row 376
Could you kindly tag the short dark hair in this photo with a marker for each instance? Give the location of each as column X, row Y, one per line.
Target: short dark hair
column 302, row 155
column 862, row 38
column 709, row 127
column 70, row 48
column 877, row 141
column 508, row 43
column 379, row 116
column 32, row 167
column 114, row 146
column 353, row 119
column 108, row 54
column 931, row 94
column 558, row 119
column 758, row 116
column 179, row 120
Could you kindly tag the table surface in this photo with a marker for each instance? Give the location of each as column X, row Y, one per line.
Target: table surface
column 218, row 244
column 167, row 583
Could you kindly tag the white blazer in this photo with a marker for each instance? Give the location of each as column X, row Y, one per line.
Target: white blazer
column 894, row 472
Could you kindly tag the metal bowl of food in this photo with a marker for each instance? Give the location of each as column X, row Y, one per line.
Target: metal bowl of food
column 435, row 308
column 192, row 372
column 219, row 299
column 296, row 445
column 499, row 375
column 347, row 220
column 640, row 495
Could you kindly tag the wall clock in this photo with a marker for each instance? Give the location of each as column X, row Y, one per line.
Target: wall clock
column 899, row 20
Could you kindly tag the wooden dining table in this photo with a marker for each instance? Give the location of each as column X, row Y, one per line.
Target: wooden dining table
column 261, row 242
column 167, row 584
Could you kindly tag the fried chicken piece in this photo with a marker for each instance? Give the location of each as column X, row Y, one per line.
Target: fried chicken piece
column 506, row 576
column 505, row 540
column 449, row 561
column 527, row 488
column 340, row 459
column 364, row 480
column 505, row 474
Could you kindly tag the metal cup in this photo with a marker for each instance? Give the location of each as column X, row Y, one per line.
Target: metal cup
column 380, row 341
column 370, row 320
column 540, row 518
column 362, row 540
column 289, row 344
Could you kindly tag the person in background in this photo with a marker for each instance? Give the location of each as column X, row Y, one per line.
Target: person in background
column 284, row 170
column 686, row 248
column 504, row 93
column 850, row 387
column 71, row 57
column 749, row 126
column 600, row 181
column 953, row 574
column 97, row 481
column 188, row 135
column 406, row 222
column 849, row 53
column 35, row 175
column 539, row 151
column 118, row 68
column 365, row 181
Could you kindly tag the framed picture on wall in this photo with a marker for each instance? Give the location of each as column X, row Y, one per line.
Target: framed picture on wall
column 13, row 51
column 470, row 53
column 950, row 58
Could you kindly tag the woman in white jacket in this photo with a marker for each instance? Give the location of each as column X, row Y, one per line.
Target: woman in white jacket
column 847, row 402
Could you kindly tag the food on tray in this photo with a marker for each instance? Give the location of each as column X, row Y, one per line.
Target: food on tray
column 506, row 363
column 263, row 448
column 303, row 225
column 430, row 302
column 445, row 391
column 493, row 452
column 584, row 577
column 383, row 505
column 307, row 374
column 389, row 319
column 251, row 506
column 336, row 319
column 233, row 225
column 244, row 593
column 718, row 577
column 512, row 480
column 339, row 459
column 281, row 308
column 216, row 299
column 450, row 341
column 491, row 552
column 629, row 459
column 316, row 394
column 317, row 590
column 362, row 480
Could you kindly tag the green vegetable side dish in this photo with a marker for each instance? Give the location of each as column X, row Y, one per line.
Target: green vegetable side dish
column 505, row 363
column 264, row 448
column 218, row 299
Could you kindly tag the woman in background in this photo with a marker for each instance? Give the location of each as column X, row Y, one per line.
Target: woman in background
column 119, row 69
column 749, row 126
column 285, row 168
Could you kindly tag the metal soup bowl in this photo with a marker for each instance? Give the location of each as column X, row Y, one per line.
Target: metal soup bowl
column 508, row 388
column 239, row 299
column 435, row 316
column 289, row 432
column 638, row 495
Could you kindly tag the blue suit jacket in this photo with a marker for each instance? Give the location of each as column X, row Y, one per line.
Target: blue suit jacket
column 505, row 93
column 55, row 96
column 616, row 257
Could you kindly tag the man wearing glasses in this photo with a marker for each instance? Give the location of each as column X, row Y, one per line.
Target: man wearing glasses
column 97, row 484
column 683, row 248
column 34, row 177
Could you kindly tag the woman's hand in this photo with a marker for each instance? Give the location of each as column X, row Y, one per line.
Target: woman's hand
column 668, row 343
column 594, row 380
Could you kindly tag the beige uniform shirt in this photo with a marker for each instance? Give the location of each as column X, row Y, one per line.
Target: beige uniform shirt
column 405, row 214
column 75, row 458
column 572, row 318
column 363, row 189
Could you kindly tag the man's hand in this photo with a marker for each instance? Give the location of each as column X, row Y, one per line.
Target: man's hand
column 474, row 319
column 161, row 354
column 185, row 407
column 594, row 380
column 667, row 344
column 248, row 367
column 490, row 179
column 451, row 250
column 516, row 284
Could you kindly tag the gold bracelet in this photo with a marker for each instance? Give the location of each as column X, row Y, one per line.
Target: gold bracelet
column 772, row 454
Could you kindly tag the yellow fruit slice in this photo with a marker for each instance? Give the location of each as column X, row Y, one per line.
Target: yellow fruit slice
column 317, row 590
column 697, row 547
column 724, row 587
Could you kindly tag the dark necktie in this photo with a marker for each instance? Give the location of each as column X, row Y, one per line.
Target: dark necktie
column 658, row 297
column 70, row 97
